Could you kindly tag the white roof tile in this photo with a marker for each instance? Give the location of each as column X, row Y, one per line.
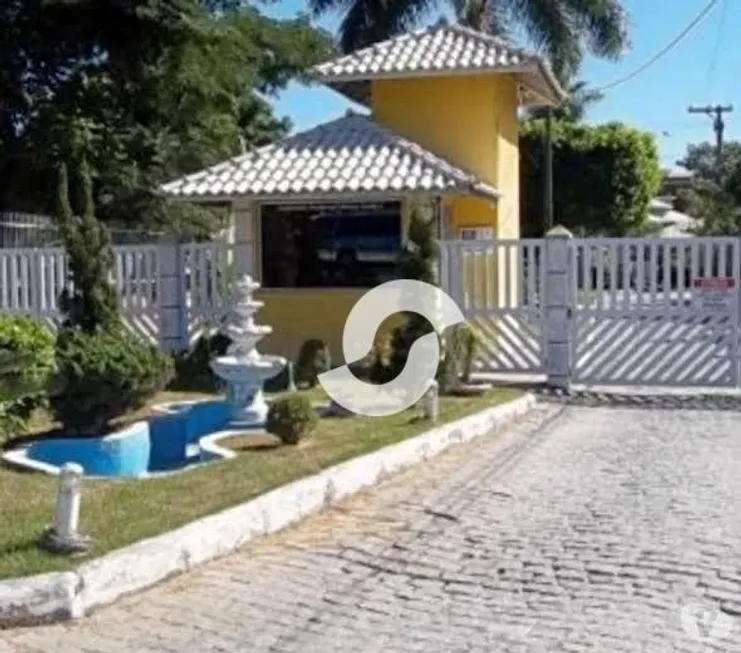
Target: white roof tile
column 340, row 156
column 438, row 50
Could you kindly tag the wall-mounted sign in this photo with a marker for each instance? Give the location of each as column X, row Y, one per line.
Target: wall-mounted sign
column 476, row 233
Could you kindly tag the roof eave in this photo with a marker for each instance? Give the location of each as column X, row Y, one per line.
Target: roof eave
column 474, row 188
column 356, row 87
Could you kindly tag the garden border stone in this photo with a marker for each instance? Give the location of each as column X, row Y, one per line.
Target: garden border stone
column 73, row 594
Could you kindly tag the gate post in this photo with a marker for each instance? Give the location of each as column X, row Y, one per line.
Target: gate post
column 171, row 301
column 559, row 304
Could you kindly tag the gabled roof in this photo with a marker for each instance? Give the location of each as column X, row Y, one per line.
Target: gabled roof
column 351, row 155
column 439, row 50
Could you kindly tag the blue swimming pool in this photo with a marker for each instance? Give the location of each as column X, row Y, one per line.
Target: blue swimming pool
column 163, row 443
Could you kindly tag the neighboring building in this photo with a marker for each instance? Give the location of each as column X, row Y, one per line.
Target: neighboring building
column 321, row 214
column 676, row 179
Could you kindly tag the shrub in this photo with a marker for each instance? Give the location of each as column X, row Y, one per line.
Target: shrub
column 291, row 418
column 313, row 359
column 461, row 345
column 280, row 381
column 103, row 375
column 468, row 344
column 192, row 370
column 27, row 350
column 379, row 369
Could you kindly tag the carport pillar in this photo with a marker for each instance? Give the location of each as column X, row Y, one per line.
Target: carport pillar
column 560, row 304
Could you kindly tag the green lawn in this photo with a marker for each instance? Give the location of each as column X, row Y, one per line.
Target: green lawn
column 117, row 513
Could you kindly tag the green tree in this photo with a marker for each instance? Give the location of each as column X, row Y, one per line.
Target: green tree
column 702, row 160
column 90, row 303
column 165, row 87
column 563, row 29
column 604, row 177
column 715, row 197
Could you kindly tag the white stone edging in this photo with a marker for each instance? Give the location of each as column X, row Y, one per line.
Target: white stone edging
column 73, row 594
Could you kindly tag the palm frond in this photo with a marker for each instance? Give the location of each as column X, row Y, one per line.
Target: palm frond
column 369, row 21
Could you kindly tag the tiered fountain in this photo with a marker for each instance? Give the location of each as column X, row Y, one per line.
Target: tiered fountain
column 243, row 368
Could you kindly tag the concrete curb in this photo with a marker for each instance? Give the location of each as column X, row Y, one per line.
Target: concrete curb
column 73, row 594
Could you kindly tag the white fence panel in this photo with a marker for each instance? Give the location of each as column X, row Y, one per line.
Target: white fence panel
column 208, row 277
column 499, row 285
column 32, row 281
column 137, row 281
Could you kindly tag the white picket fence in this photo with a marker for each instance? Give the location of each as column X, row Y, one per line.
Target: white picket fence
column 631, row 311
column 32, row 280
column 499, row 286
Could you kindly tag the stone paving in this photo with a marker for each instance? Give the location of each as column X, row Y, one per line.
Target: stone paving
column 580, row 529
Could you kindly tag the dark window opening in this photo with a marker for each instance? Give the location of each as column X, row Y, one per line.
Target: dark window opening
column 351, row 245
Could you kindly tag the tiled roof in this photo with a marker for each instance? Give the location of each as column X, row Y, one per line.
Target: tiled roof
column 351, row 155
column 439, row 50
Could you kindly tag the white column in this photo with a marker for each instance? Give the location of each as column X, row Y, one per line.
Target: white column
column 173, row 312
column 560, row 307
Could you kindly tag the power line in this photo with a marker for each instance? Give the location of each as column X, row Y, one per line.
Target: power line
column 665, row 50
column 716, row 47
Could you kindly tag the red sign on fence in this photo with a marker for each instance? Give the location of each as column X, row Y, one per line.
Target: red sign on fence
column 714, row 283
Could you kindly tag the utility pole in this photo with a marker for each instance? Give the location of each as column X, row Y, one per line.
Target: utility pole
column 716, row 112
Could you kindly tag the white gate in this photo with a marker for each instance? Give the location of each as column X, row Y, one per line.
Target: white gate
column 643, row 312
column 499, row 285
column 656, row 311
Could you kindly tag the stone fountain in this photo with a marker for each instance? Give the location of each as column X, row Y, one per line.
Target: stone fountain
column 243, row 368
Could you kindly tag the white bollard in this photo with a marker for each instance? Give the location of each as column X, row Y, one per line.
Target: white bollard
column 67, row 515
column 431, row 402
column 62, row 536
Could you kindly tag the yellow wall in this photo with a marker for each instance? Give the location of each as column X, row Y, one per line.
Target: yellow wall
column 301, row 314
column 471, row 120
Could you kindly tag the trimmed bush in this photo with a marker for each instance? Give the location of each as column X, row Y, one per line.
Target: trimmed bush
column 313, row 359
column 102, row 376
column 379, row 369
column 192, row 370
column 27, row 348
column 291, row 418
column 461, row 346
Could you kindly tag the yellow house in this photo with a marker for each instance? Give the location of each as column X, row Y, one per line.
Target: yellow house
column 319, row 216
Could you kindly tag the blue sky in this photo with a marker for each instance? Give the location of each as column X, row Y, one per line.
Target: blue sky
column 705, row 68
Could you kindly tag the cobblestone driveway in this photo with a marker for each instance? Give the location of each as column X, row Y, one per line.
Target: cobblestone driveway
column 586, row 530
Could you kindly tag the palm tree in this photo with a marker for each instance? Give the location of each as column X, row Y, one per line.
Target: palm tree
column 580, row 98
column 563, row 30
